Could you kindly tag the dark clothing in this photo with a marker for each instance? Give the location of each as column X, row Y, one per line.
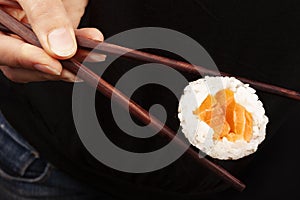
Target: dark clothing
column 257, row 40
column 24, row 174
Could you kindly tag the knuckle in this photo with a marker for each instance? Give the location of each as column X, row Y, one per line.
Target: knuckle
column 38, row 14
column 37, row 8
column 8, row 73
column 42, row 12
column 20, row 58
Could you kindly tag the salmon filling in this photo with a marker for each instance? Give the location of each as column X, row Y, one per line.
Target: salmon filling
column 226, row 117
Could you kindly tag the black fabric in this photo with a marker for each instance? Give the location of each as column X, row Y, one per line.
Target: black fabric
column 254, row 39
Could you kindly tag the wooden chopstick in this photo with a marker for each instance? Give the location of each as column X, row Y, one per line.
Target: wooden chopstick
column 11, row 4
column 106, row 89
column 179, row 65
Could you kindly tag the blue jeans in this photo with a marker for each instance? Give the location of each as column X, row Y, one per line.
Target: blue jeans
column 25, row 175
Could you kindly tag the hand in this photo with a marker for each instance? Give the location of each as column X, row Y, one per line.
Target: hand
column 53, row 21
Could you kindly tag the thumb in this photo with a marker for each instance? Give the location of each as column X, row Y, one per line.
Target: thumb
column 52, row 26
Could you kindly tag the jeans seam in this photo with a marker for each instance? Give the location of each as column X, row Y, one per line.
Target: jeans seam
column 28, row 163
column 6, row 128
column 43, row 175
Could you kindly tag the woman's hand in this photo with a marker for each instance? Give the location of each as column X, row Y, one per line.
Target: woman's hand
column 53, row 21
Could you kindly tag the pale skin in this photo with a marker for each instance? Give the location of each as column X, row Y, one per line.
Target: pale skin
column 54, row 22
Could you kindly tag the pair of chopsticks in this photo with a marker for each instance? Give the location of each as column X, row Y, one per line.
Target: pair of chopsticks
column 11, row 25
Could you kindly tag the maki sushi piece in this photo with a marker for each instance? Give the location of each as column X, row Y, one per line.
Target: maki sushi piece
column 222, row 117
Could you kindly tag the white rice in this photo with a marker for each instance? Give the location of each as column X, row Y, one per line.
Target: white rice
column 200, row 134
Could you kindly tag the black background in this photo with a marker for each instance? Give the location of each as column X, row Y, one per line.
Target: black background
column 255, row 39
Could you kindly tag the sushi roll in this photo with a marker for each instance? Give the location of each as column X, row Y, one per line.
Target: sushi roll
column 222, row 117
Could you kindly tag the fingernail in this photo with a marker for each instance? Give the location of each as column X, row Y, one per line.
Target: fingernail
column 78, row 80
column 96, row 57
column 73, row 80
column 47, row 69
column 61, row 42
column 70, row 77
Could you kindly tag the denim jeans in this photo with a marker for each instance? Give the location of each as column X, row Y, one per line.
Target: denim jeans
column 25, row 175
